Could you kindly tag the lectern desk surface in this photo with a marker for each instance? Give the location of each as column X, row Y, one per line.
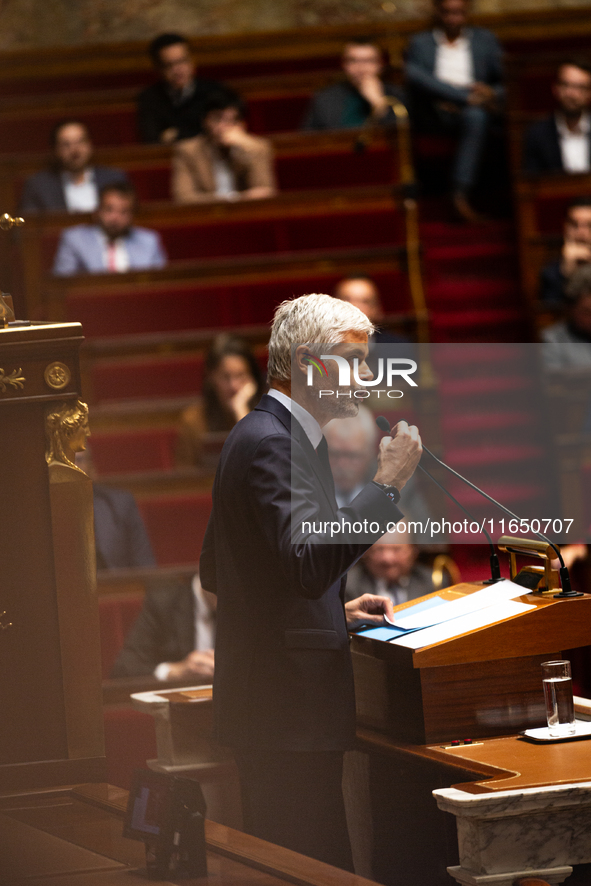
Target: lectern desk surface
column 73, row 837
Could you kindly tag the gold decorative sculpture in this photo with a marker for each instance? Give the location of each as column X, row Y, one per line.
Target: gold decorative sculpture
column 67, row 432
column 7, row 222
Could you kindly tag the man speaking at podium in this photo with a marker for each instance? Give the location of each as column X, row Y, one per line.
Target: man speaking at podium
column 283, row 685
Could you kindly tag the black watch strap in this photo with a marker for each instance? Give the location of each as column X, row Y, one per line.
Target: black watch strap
column 391, row 491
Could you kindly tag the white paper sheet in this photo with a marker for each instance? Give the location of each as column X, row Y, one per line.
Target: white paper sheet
column 463, row 625
column 488, row 596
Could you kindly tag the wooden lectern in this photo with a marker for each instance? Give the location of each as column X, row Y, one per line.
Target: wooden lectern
column 413, row 704
column 51, row 730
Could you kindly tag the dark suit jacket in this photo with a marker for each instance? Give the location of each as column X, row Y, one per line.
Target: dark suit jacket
column 541, row 147
column 164, row 630
column 283, row 677
column 120, row 536
column 327, row 106
column 552, row 283
column 44, row 191
column 157, row 111
column 420, row 67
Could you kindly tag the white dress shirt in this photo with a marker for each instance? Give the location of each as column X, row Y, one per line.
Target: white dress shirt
column 115, row 254
column 311, row 427
column 397, row 593
column 224, row 178
column 80, row 196
column 453, row 60
column 574, row 144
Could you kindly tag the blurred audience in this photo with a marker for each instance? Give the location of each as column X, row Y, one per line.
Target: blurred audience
column 72, row 183
column 120, row 536
column 361, row 97
column 352, row 449
column 113, row 244
column 567, row 344
column 173, row 637
column 561, row 142
column 232, row 386
column 226, row 162
column 361, row 291
column 172, row 108
column 390, row 569
column 576, row 252
column 454, row 75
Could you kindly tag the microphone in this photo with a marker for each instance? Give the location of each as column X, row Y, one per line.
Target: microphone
column 495, row 568
column 567, row 590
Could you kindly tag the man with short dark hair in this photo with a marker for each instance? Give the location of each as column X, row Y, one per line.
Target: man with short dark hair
column 576, row 252
column 113, row 244
column 72, row 183
column 562, row 141
column 226, row 162
column 172, row 108
column 455, row 78
column 361, row 97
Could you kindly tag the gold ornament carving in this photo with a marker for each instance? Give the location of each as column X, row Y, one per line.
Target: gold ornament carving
column 67, row 431
column 15, row 380
column 57, row 375
column 4, row 626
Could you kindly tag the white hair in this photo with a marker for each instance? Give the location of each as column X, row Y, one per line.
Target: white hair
column 308, row 320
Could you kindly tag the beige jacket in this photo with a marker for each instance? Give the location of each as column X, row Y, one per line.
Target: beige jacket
column 193, row 178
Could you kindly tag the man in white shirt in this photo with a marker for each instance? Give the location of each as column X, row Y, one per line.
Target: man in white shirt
column 173, row 637
column 562, row 141
column 455, row 79
column 72, row 183
column 113, row 244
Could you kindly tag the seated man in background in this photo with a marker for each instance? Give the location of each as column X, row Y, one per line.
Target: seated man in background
column 562, row 141
column 362, row 292
column 113, row 244
column 72, row 183
column 120, row 537
column 358, row 99
column 455, row 79
column 389, row 569
column 568, row 343
column 174, row 634
column 576, row 252
column 352, row 449
column 172, row 108
column 225, row 162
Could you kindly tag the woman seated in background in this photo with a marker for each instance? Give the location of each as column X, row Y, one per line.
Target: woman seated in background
column 232, row 386
column 226, row 162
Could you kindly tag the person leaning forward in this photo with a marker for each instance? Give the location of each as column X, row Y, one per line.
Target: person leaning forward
column 283, row 686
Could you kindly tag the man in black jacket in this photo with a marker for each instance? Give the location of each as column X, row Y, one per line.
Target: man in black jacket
column 72, row 183
column 172, row 108
column 361, row 97
column 283, row 686
column 562, row 141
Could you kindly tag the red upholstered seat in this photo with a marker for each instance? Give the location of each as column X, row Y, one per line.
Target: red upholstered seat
column 133, row 451
column 176, row 526
column 116, row 616
column 162, row 307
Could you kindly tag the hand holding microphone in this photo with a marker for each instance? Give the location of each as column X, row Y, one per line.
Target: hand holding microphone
column 398, row 456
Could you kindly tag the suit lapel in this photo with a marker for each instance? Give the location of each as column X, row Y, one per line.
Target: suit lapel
column 322, row 473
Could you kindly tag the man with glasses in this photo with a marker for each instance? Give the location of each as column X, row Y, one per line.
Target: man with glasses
column 561, row 142
column 172, row 108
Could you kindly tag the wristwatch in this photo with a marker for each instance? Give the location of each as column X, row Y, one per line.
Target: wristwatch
column 391, row 491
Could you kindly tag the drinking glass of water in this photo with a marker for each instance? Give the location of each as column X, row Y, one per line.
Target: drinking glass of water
column 558, row 694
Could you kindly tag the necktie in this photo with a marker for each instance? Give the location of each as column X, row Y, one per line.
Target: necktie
column 111, row 257
column 322, row 453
